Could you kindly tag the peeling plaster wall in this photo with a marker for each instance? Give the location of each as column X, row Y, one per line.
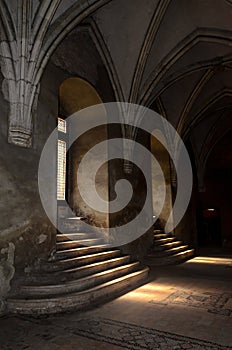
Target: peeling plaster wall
column 24, row 224
column 7, row 271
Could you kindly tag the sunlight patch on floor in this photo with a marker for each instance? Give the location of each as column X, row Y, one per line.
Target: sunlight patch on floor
column 210, row 260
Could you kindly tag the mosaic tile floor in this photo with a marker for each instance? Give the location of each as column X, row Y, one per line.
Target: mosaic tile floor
column 43, row 334
column 215, row 303
column 134, row 337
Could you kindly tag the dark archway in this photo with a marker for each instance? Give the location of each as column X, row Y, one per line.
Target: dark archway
column 216, row 204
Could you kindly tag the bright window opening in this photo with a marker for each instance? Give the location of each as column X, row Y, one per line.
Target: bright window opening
column 61, row 169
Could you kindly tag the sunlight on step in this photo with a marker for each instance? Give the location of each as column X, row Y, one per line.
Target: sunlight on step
column 76, row 218
column 210, row 260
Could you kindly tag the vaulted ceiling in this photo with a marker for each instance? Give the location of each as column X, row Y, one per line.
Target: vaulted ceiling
column 174, row 54
column 178, row 54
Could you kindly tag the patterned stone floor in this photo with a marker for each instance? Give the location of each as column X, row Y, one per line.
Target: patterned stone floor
column 215, row 303
column 93, row 334
column 183, row 307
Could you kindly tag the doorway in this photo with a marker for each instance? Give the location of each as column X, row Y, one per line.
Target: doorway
column 210, row 228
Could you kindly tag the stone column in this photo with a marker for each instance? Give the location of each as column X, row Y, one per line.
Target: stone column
column 23, row 26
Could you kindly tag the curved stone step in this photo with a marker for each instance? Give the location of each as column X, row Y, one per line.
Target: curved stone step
column 187, row 254
column 63, row 246
column 77, row 272
column 80, row 300
column 76, row 218
column 158, row 231
column 166, row 252
column 177, row 258
column 163, row 240
column 159, row 236
column 78, row 284
column 82, row 260
column 61, row 237
column 74, row 252
column 165, row 246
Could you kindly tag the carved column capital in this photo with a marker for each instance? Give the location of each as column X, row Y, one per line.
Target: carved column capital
column 21, row 43
column 20, row 137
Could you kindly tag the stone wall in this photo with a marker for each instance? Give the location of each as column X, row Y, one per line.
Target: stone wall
column 26, row 234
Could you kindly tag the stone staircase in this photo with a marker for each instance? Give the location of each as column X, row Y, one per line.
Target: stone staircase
column 167, row 250
column 84, row 271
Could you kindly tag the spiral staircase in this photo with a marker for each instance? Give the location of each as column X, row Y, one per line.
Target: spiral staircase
column 83, row 272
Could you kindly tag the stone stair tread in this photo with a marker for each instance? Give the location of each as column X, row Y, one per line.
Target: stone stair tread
column 78, row 284
column 186, row 251
column 166, row 246
column 76, row 233
column 88, row 256
column 164, row 240
column 183, row 254
column 81, row 268
column 80, row 251
column 161, row 236
column 77, row 249
column 70, row 295
column 171, row 259
column 79, row 218
column 168, row 251
column 78, row 300
column 76, row 272
column 71, row 235
column 156, row 231
column 80, row 242
column 75, row 261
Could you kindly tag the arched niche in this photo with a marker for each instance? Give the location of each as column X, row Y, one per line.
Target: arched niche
column 76, row 94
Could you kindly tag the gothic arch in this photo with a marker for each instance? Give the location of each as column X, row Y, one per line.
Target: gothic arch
column 40, row 37
column 205, row 108
column 146, row 47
